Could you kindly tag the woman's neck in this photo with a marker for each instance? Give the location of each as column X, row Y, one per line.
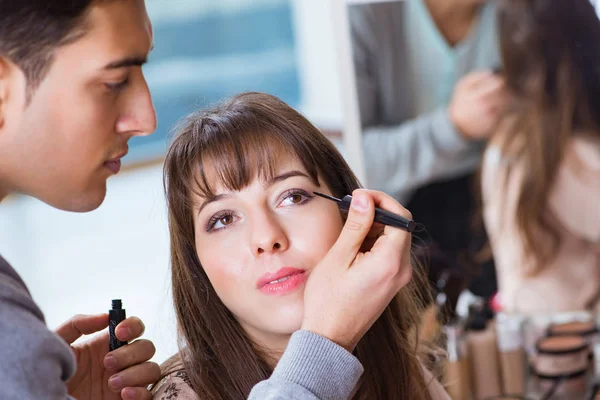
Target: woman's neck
column 454, row 18
column 272, row 344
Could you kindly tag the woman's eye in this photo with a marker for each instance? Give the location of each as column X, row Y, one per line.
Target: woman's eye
column 295, row 197
column 225, row 220
column 220, row 222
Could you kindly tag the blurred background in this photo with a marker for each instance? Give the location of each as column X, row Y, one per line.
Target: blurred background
column 204, row 52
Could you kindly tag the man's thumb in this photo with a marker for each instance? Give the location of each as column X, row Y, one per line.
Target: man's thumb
column 80, row 325
column 357, row 226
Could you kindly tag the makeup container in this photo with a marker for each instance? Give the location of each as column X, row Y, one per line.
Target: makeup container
column 581, row 328
column 596, row 353
column 483, row 359
column 115, row 316
column 509, row 337
column 586, row 329
column 594, row 387
column 561, row 365
column 457, row 380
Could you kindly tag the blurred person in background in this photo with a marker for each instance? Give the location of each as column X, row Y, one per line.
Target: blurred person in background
column 429, row 98
column 541, row 172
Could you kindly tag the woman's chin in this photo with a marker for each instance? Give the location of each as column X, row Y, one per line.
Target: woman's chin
column 286, row 322
column 286, row 327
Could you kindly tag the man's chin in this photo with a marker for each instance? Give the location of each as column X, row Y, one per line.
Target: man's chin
column 80, row 203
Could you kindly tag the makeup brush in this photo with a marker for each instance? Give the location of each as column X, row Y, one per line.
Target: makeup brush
column 382, row 216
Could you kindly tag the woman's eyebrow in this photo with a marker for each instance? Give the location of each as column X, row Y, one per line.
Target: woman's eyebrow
column 214, row 198
column 285, row 176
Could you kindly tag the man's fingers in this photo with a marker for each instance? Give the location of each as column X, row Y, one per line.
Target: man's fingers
column 357, row 226
column 132, row 354
column 393, row 239
column 130, row 329
column 140, row 375
column 80, row 325
column 136, row 393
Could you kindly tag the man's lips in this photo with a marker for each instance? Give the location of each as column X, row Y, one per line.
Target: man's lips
column 114, row 164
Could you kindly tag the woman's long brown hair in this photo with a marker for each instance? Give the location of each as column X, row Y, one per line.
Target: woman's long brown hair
column 240, row 140
column 551, row 55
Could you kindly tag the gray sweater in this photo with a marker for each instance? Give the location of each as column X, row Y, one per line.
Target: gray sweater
column 311, row 368
column 34, row 362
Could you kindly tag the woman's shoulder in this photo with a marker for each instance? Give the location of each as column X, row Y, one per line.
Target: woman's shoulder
column 583, row 157
column 576, row 190
column 175, row 386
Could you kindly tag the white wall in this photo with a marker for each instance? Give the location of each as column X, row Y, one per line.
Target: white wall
column 77, row 263
column 317, row 62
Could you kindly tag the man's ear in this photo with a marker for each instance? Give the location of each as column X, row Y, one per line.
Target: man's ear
column 4, row 66
column 11, row 81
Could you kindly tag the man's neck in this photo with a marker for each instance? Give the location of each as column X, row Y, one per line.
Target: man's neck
column 3, row 192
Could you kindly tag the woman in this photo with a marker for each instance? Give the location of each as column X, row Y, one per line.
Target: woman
column 246, row 233
column 541, row 173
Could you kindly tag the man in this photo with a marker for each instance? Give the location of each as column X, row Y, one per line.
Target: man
column 72, row 94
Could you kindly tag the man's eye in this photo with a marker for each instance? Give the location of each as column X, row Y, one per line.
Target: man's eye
column 117, row 85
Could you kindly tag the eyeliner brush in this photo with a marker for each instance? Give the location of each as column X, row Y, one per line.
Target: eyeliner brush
column 382, row 216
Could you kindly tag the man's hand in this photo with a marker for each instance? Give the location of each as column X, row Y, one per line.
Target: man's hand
column 362, row 272
column 477, row 103
column 121, row 374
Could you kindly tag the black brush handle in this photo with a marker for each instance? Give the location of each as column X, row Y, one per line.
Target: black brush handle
column 384, row 217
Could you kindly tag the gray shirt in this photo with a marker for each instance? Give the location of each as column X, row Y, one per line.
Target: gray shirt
column 311, row 368
column 34, row 362
column 405, row 75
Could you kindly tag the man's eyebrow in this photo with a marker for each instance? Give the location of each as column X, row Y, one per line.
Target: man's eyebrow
column 127, row 62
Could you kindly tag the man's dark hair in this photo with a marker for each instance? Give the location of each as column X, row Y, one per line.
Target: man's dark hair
column 30, row 31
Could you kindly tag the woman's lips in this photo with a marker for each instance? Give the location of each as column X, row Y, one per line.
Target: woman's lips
column 282, row 282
